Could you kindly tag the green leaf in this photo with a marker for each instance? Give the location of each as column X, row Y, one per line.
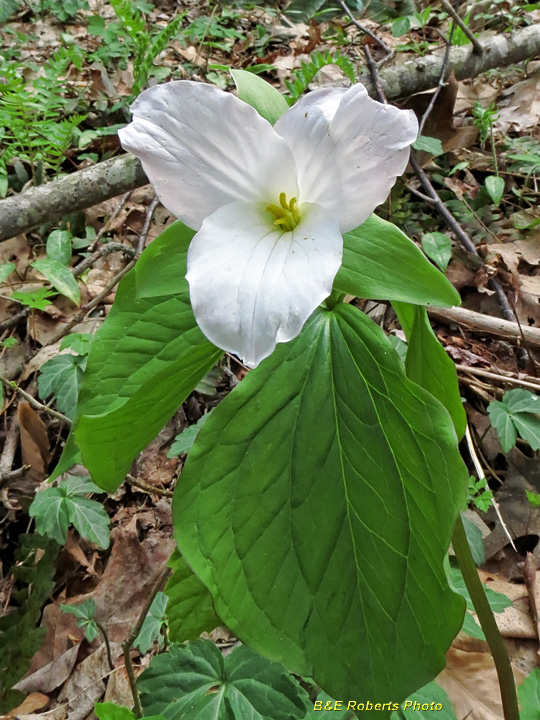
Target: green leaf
column 60, row 278
column 183, row 442
column 474, row 538
column 58, row 246
column 39, row 299
column 145, row 359
column 85, row 613
column 258, row 93
column 190, row 610
column 62, row 377
column 438, row 247
column 529, row 696
column 428, row 144
column 77, row 342
column 110, row 711
column 327, row 457
column 497, row 601
column 401, row 26
column 428, row 364
column 519, row 411
column 381, row 263
column 5, row 271
column 7, row 8
column 20, row 637
column 153, row 622
column 304, row 10
column 533, row 498
column 495, row 188
column 56, row 508
column 432, row 696
column 195, row 682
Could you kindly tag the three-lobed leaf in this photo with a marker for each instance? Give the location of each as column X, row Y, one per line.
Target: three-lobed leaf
column 84, row 612
column 196, row 682
column 56, row 508
column 327, row 457
column 518, row 411
column 62, row 377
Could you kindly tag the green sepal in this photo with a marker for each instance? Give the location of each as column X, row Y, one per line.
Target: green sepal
column 255, row 91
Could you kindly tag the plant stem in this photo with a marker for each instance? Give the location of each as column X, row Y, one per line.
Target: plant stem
column 487, row 621
column 107, row 643
column 135, row 630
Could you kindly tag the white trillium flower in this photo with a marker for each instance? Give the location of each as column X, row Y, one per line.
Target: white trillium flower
column 269, row 203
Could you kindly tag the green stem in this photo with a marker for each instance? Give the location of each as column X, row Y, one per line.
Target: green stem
column 493, row 150
column 487, row 621
column 107, row 643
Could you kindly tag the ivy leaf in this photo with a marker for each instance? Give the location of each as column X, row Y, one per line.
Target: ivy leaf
column 60, row 278
column 153, row 622
column 190, row 610
column 85, row 613
column 56, row 508
column 195, row 682
column 183, row 442
column 274, row 503
column 519, row 411
column 77, row 342
column 62, row 377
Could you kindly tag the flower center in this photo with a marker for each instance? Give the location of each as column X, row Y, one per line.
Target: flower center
column 286, row 214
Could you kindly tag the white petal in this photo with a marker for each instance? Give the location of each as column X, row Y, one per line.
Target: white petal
column 203, row 148
column 251, row 285
column 349, row 149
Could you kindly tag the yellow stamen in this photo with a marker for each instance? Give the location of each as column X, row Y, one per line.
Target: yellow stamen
column 286, row 214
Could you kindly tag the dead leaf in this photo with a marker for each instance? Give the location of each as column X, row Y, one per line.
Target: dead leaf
column 34, row 701
column 470, row 681
column 86, row 685
column 51, row 676
column 520, row 105
column 34, row 442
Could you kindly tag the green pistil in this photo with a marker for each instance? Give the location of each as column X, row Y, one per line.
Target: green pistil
column 286, row 214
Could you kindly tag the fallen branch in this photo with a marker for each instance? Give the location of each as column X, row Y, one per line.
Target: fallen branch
column 486, row 324
column 88, row 187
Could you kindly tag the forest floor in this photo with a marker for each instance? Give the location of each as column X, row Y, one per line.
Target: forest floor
column 68, row 72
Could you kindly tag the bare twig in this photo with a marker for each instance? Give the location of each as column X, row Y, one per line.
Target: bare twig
column 146, row 227
column 482, row 476
column 375, row 77
column 365, row 30
column 480, row 323
column 10, row 447
column 103, row 631
column 136, row 629
column 441, row 82
column 106, row 249
column 113, row 217
column 500, row 378
column 13, row 474
column 148, row 488
column 477, row 47
column 35, row 403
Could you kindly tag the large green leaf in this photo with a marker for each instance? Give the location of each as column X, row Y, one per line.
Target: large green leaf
column 196, row 683
column 428, row 364
column 145, row 360
column 190, row 610
column 381, row 263
column 317, row 505
column 258, row 93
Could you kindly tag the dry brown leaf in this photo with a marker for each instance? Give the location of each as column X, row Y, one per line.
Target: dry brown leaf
column 470, row 681
column 34, row 442
column 34, row 701
column 52, row 675
column 520, row 106
column 86, row 685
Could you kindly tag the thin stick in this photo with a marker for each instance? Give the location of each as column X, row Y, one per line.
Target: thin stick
column 441, row 82
column 135, row 630
column 477, row 47
column 509, row 379
column 487, row 621
column 482, row 476
column 365, row 30
column 107, row 643
column 114, row 215
column 12, row 385
column 147, row 487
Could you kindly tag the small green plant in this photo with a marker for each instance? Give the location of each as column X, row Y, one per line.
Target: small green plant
column 480, row 493
column 517, row 412
column 55, row 509
column 85, row 613
column 62, row 375
column 305, row 74
column 533, row 498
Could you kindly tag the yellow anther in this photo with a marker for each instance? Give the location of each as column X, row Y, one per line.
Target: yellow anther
column 286, row 214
